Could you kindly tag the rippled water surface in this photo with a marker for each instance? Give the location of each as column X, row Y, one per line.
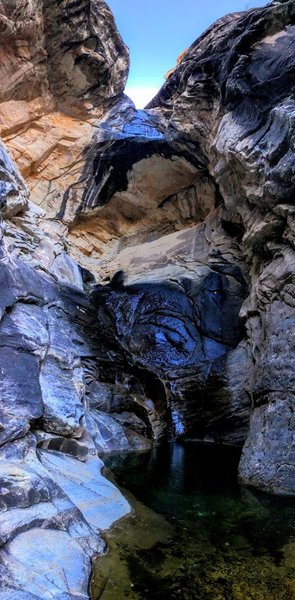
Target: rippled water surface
column 195, row 534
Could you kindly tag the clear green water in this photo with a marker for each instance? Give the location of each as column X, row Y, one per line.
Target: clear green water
column 195, row 533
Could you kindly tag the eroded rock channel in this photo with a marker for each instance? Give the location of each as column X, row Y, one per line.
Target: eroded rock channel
column 147, row 269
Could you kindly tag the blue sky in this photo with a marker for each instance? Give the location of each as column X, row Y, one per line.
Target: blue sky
column 156, row 31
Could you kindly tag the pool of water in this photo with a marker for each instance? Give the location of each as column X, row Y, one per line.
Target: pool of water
column 195, row 533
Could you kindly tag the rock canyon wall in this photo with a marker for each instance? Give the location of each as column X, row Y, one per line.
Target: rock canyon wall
column 147, row 268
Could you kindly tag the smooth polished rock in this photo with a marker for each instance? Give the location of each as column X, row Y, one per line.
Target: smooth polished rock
column 69, row 568
column 8, row 593
column 99, row 501
column 41, row 502
column 66, row 515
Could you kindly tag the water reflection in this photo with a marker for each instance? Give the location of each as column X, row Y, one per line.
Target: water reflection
column 226, row 542
column 176, row 471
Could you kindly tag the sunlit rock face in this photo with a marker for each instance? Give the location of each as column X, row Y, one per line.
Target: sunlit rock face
column 138, row 187
column 62, row 64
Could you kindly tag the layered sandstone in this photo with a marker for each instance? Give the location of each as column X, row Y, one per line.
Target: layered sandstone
column 61, row 66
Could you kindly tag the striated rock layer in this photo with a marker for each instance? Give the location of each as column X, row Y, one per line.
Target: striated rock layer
column 223, row 122
column 147, row 267
column 61, row 65
column 52, row 490
column 54, row 502
column 233, row 94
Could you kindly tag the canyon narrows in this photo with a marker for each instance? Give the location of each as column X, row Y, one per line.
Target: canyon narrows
column 147, row 268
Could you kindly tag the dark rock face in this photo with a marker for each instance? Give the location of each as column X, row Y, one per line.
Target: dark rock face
column 13, row 192
column 242, row 73
column 180, row 326
column 227, row 109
